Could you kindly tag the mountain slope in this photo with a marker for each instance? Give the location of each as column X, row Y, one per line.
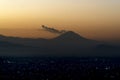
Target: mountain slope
column 67, row 44
column 24, row 41
column 73, row 39
column 70, row 36
column 64, row 39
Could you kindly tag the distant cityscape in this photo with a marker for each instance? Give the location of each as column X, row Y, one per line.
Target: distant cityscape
column 58, row 68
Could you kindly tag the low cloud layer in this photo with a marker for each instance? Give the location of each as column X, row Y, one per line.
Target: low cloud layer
column 53, row 30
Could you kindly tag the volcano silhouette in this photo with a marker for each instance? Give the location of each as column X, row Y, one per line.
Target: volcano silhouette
column 70, row 36
column 73, row 38
column 67, row 38
column 66, row 44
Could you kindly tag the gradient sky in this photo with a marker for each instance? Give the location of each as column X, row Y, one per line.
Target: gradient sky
column 95, row 19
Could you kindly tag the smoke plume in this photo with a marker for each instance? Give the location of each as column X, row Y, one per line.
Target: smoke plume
column 53, row 30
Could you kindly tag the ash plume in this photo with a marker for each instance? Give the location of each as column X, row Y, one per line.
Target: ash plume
column 53, row 30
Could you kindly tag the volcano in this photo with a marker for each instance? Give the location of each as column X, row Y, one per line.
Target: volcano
column 66, row 44
column 70, row 36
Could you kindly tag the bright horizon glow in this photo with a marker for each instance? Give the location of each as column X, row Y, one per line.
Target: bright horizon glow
column 97, row 19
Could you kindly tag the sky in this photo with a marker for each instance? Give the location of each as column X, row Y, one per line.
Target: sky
column 94, row 19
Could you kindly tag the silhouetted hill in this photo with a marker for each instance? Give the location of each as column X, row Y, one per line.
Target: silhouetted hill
column 107, row 49
column 24, row 41
column 8, row 44
column 67, row 44
column 64, row 39
column 9, row 49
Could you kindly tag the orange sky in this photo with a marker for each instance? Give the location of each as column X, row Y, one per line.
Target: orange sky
column 95, row 19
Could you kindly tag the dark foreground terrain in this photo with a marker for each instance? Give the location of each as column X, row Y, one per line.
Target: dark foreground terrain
column 59, row 68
